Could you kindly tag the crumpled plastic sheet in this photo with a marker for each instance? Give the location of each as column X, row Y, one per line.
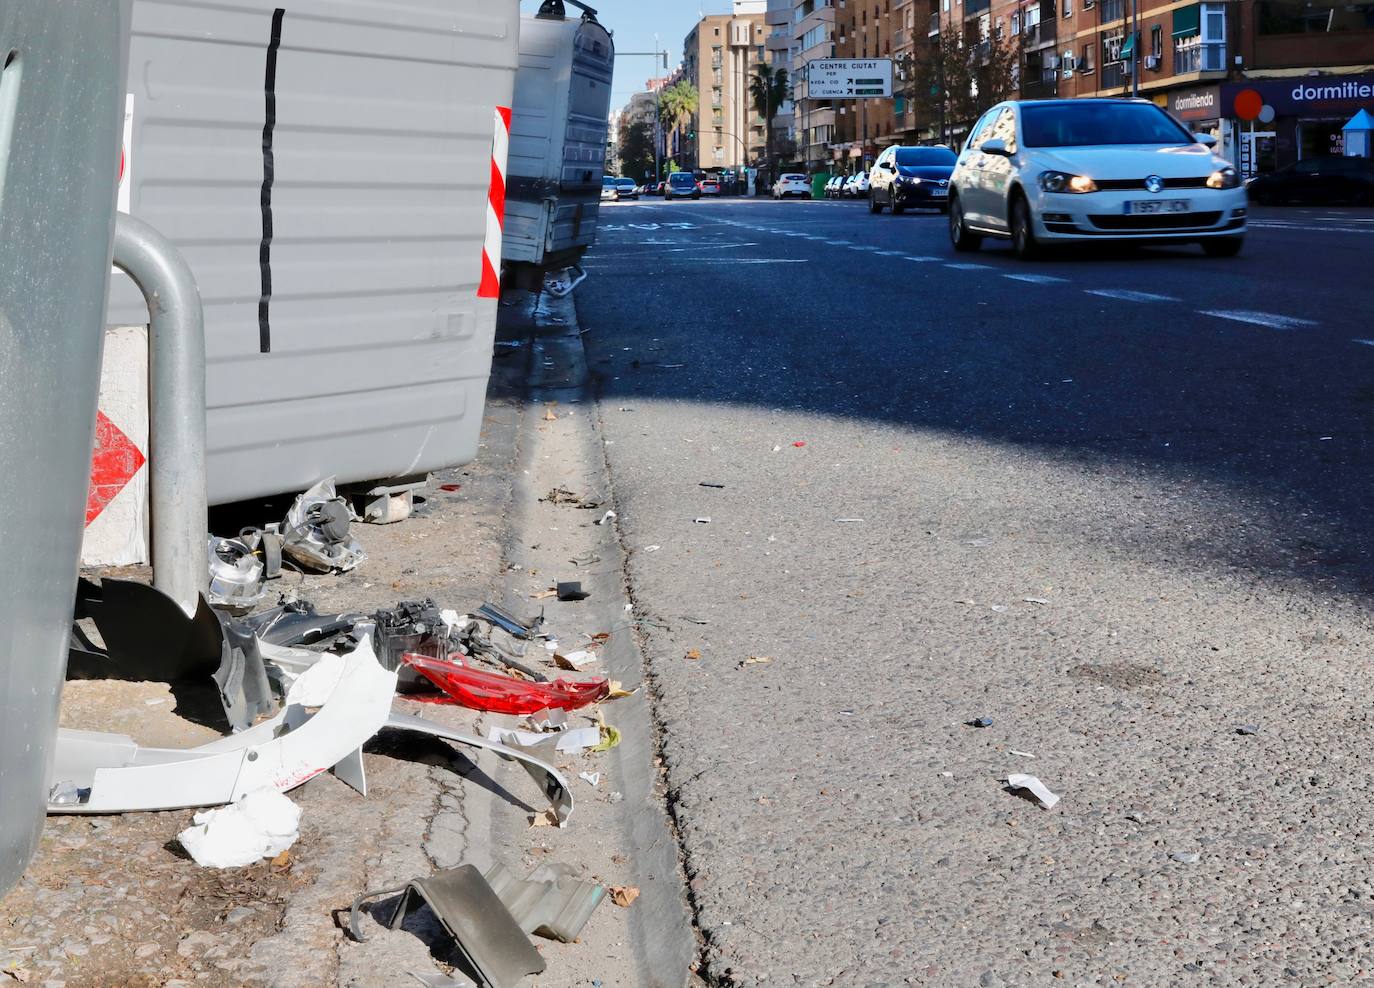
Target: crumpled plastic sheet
column 259, row 825
column 495, row 693
column 316, row 531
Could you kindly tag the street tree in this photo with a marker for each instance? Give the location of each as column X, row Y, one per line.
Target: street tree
column 677, row 103
column 636, row 149
column 770, row 88
column 952, row 83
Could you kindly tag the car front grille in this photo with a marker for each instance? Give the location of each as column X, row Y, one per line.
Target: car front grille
column 1129, row 184
column 1156, row 221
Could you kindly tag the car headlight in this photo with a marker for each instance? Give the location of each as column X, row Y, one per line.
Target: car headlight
column 1064, row 182
column 909, row 180
column 1223, row 178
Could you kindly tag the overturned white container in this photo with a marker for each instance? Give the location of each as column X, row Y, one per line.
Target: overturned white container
column 325, row 169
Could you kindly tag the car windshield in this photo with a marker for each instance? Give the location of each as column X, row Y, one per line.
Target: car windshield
column 607, row 181
column 681, row 178
column 1058, row 125
column 625, row 183
column 926, row 156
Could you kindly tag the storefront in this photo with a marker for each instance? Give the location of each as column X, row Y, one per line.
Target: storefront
column 1279, row 121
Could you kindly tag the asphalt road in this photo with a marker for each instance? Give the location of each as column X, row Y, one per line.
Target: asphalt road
column 1114, row 502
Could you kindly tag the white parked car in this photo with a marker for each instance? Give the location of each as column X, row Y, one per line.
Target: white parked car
column 1048, row 171
column 792, row 184
column 856, row 186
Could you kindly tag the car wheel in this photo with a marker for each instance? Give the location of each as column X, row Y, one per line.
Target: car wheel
column 959, row 234
column 696, row 195
column 897, row 208
column 874, row 206
column 1223, row 246
column 1023, row 229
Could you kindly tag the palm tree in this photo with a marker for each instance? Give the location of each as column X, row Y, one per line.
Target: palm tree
column 770, row 88
column 677, row 102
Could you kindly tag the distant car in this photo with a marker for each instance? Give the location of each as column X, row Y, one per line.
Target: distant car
column 832, row 186
column 608, row 190
column 792, row 184
column 911, row 176
column 1051, row 171
column 656, row 189
column 709, row 186
column 856, row 186
column 1325, row 180
column 681, row 185
column 625, row 188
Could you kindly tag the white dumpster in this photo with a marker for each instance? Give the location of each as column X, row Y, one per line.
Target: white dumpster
column 558, row 140
column 326, row 169
column 62, row 69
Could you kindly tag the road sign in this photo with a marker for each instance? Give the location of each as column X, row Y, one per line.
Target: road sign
column 848, row 78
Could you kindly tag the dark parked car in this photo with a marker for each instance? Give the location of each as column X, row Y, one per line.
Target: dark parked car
column 911, row 176
column 1327, row 179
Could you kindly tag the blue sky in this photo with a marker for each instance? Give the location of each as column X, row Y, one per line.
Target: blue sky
column 634, row 23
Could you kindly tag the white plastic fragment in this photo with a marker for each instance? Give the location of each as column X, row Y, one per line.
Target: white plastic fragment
column 579, row 658
column 1035, row 787
column 318, row 683
column 569, row 742
column 260, row 825
column 702, row 520
column 608, row 516
column 591, row 778
column 1034, row 600
column 652, row 548
column 1022, row 754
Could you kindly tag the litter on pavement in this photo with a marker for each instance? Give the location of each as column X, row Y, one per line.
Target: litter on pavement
column 571, row 591
column 1035, row 787
column 498, row 693
column 316, row 531
column 261, row 824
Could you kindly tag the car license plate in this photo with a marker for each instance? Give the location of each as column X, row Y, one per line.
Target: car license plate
column 1146, row 207
column 938, row 190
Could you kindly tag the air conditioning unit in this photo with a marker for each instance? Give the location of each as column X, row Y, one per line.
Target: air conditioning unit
column 1152, row 62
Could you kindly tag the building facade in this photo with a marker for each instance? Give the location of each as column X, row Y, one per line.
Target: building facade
column 719, row 57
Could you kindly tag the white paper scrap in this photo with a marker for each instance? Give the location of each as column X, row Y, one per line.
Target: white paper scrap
column 261, row 824
column 1035, row 787
column 579, row 658
column 569, row 742
column 592, row 778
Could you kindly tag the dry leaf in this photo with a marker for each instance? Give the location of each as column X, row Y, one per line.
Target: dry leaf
column 549, row 416
column 693, row 654
column 623, row 895
column 617, row 691
column 282, row 862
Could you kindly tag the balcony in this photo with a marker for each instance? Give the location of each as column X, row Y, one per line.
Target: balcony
column 1040, row 35
column 1045, row 86
column 1197, row 57
column 1113, row 75
column 972, row 8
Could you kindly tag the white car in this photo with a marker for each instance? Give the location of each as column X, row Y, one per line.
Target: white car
column 1040, row 172
column 856, row 186
column 792, row 185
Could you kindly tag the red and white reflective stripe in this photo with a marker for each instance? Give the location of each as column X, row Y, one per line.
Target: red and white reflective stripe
column 490, row 285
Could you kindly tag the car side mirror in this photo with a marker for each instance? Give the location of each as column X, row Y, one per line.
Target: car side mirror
column 889, row 166
column 1206, row 140
column 997, row 146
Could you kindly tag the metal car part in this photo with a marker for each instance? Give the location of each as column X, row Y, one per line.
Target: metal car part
column 552, row 902
column 485, row 932
column 316, row 530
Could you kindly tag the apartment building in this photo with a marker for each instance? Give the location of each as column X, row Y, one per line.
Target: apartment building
column 864, row 29
column 778, row 44
column 719, row 57
column 813, row 34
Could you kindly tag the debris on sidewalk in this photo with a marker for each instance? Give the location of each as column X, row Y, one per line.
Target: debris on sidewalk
column 755, row 660
column 497, row 693
column 1247, row 729
column 1186, row 857
column 316, row 531
column 569, row 742
column 592, row 779
column 240, row 568
column 979, row 722
column 563, row 496
column 623, row 895
column 571, row 591
column 704, row 520
column 551, row 903
column 482, row 928
column 1035, row 787
column 609, row 516
column 573, row 661
column 261, row 824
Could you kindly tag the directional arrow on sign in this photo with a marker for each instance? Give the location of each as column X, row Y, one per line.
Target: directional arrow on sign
column 115, row 463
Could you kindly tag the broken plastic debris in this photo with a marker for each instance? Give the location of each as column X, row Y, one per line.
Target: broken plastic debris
column 64, row 794
column 799, row 443
column 572, row 590
column 980, row 722
column 608, row 516
column 755, row 660
column 550, row 719
column 573, row 660
column 623, row 895
column 1035, row 787
column 1022, row 754
column 610, row 737
column 704, row 520
column 569, row 742
column 261, row 824
column 592, row 779
column 1034, row 600
column 999, row 608
column 1247, row 729
column 552, row 902
column 718, row 487
column 1186, row 857
column 495, row 693
column 652, row 548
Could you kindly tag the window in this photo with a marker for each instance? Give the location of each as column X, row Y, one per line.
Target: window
column 1113, row 10
column 1157, row 41
column 1086, row 64
column 1066, row 63
column 1313, row 16
column 1200, row 38
column 1016, row 23
column 1068, row 8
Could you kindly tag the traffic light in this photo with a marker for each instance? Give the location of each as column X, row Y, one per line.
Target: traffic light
column 691, row 133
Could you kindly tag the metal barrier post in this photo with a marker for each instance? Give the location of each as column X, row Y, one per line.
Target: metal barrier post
column 176, row 408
